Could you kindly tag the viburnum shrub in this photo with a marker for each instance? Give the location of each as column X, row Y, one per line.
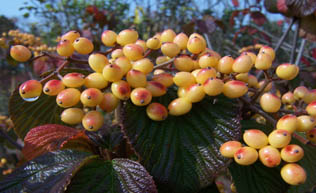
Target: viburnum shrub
column 182, row 116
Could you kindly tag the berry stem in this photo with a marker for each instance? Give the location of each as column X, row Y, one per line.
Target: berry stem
column 110, row 50
column 56, row 72
column 260, row 91
column 303, row 140
column 164, row 64
column 147, row 53
column 300, row 52
column 7, row 137
column 293, row 49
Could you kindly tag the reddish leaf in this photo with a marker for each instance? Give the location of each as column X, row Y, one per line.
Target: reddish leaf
column 313, row 53
column 282, row 7
column 258, row 17
column 232, row 17
column 305, row 61
column 80, row 142
column 235, row 3
column 245, row 11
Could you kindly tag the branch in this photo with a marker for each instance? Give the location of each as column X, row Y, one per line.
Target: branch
column 56, row 72
column 303, row 140
column 147, row 53
column 300, row 52
column 110, row 50
column 164, row 64
column 295, row 42
column 7, row 137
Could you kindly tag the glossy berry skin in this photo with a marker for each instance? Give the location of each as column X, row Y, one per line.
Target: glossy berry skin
column 161, row 59
column 133, row 52
column 293, row 174
column 181, row 40
column 109, row 102
column 225, row 65
column 246, row 156
column 235, row 89
column 242, row 77
column 153, row 43
column 156, row 88
column 142, row 43
column 117, row 53
column 127, row 36
column 97, row 62
column 253, row 81
column 310, row 97
column 124, row 63
column 288, row 122
column 167, row 35
column 184, row 79
column 121, row 90
column 292, row 153
column 196, row 45
column 269, row 156
column 182, row 91
column 229, row 148
column 20, row 53
column 267, row 88
column 179, row 106
column 91, row 97
column 183, row 63
column 279, row 138
column 170, row 49
column 144, row 65
column 68, row 97
column 95, row 80
column 311, row 135
column 72, row 116
column 255, row 138
column 83, row 45
column 157, row 112
column 213, row 86
column 300, row 92
column 108, row 38
column 195, row 93
column 287, row 71
column 141, row 96
column 204, row 74
column 263, row 61
column 311, row 109
column 252, row 56
column 268, row 50
column 71, row 36
column 158, row 71
column 208, row 60
column 112, row 73
column 30, row 89
column 136, row 78
column 53, row 87
column 164, row 78
column 270, row 102
column 65, row 48
column 288, row 98
column 242, row 64
column 305, row 123
column 73, row 80
column 92, row 121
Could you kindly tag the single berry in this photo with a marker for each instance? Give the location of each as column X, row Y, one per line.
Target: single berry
column 204, row 74
column 179, row 106
column 255, row 138
column 141, row 96
column 156, row 88
column 170, row 49
column 53, row 87
column 95, row 80
column 136, row 78
column 305, row 123
column 133, row 52
column 164, row 78
column 287, row 71
column 71, row 36
column 235, row 89
column 225, row 65
column 242, row 64
column 65, row 48
column 127, row 36
column 293, row 174
column 68, row 97
column 246, row 156
column 108, row 38
column 183, row 63
column 97, row 62
column 83, row 45
column 20, row 53
column 270, row 102
column 208, row 60
column 30, row 89
column 292, row 153
column 93, row 120
column 157, row 112
column 288, row 122
column 144, row 65
column 121, row 89
column 213, row 86
column 112, row 73
column 269, row 156
column 229, row 148
column 72, row 116
column 195, row 93
column 109, row 102
column 279, row 138
column 91, row 97
column 183, row 79
column 73, row 80
column 181, row 40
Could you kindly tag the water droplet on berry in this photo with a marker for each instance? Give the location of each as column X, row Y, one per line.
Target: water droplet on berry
column 31, row 99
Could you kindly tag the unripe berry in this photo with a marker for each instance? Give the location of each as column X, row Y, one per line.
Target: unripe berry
column 235, row 89
column 269, row 156
column 133, row 51
column 72, row 116
column 136, row 78
column 83, row 45
column 20, row 53
column 270, row 102
column 164, row 78
column 246, row 156
column 68, row 97
column 268, row 50
column 208, row 60
column 263, row 61
column 242, row 77
column 161, row 59
column 179, row 106
column 117, row 53
column 170, row 49
column 253, row 81
column 65, row 48
column 121, row 89
column 141, row 96
column 142, row 43
column 153, row 43
column 156, row 88
column 157, row 112
column 267, row 88
column 292, row 153
column 311, row 135
column 287, row 71
column 97, row 62
column 182, row 91
column 293, row 174
column 184, row 79
column 213, row 86
column 71, row 36
column 204, row 74
column 127, row 36
column 112, row 73
column 288, row 122
column 300, row 92
column 183, row 63
column 109, row 102
column 252, row 56
column 144, row 65
column 108, row 38
column 242, row 64
column 73, row 80
column 255, row 138
column 196, row 45
column 93, row 121
column 167, row 36
column 195, row 93
column 229, row 148
column 225, row 65
column 288, row 98
column 181, row 40
column 95, row 80
column 91, row 97
column 305, row 123
column 30, row 89
column 53, row 87
column 124, row 64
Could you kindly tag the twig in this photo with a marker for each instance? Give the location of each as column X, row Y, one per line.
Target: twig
column 56, row 72
column 303, row 140
column 164, row 64
column 208, row 42
column 295, row 42
column 110, row 50
column 7, row 137
column 260, row 91
column 284, row 35
column 147, row 53
column 300, row 52
column 77, row 61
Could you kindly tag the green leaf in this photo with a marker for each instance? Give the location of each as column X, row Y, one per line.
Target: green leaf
column 49, row 173
column 183, row 152
column 116, row 176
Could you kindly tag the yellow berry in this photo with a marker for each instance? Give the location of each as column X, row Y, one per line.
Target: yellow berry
column 108, row 38
column 112, row 73
column 142, row 43
column 279, row 138
column 71, row 36
column 170, row 49
column 121, row 89
column 164, row 78
column 235, row 89
column 270, row 102
column 195, row 93
column 68, row 97
column 183, row 63
column 288, row 122
column 124, row 64
column 269, row 156
column 20, row 53
column 144, row 65
column 196, row 45
column 288, row 98
column 213, row 86
column 293, row 174
column 133, row 51
column 109, row 102
column 242, row 77
column 292, row 153
column 263, row 61
column 97, row 62
column 300, row 92
column 182, row 91
column 157, row 112
column 242, row 64
column 117, row 53
column 73, row 80
column 225, row 65
column 127, row 36
column 95, row 80
column 136, row 78
column 268, row 50
column 246, row 156
column 255, row 138
column 179, row 106
column 91, row 97
column 287, row 71
column 229, row 148
column 311, row 135
column 65, row 48
column 153, row 43
column 181, row 40
column 208, row 60
column 167, row 36
column 53, row 87
column 141, row 96
column 204, row 74
column 92, row 121
column 156, row 88
column 83, row 45
column 183, row 79
column 305, row 123
column 72, row 116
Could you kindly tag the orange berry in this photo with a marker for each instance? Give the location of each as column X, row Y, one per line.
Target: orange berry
column 30, row 89
column 136, row 78
column 92, row 121
column 246, row 156
column 141, row 96
column 109, row 102
column 270, row 156
column 133, row 51
column 53, row 87
column 73, row 80
column 121, row 89
column 235, row 89
column 156, row 88
column 229, row 148
column 20, row 53
column 157, row 112
column 65, row 48
column 292, row 153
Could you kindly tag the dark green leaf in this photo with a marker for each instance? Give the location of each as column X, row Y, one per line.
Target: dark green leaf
column 49, row 173
column 116, row 176
column 183, row 152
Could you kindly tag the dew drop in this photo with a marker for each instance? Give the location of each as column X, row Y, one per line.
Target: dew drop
column 31, row 99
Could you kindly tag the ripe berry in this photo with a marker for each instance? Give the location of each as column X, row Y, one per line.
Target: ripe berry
column 157, row 112
column 305, row 123
column 72, row 116
column 92, row 121
column 164, row 78
column 246, row 156
column 195, row 72
column 141, row 96
column 181, row 40
column 310, row 97
column 65, row 48
column 252, row 56
column 179, row 106
column 144, row 65
column 242, row 77
column 142, row 43
column 195, row 93
column 91, row 97
column 108, row 38
column 235, row 89
column 263, row 61
column 279, row 138
column 288, row 122
column 117, row 53
column 255, row 138
column 112, row 73
column 30, row 89
column 53, row 87
column 127, row 36
column 153, row 43
column 156, row 88
column 300, row 92
column 183, row 79
column 293, row 174
column 121, row 89
column 196, row 45
column 159, row 71
column 73, row 80
column 270, row 102
column 229, row 148
column 133, row 51
column 267, row 88
column 288, row 98
column 287, row 71
column 183, row 63
column 167, row 36
column 109, row 102
column 97, row 62
column 83, row 45
column 20, row 53
column 213, row 86
column 182, row 91
column 268, row 50
column 124, row 64
column 196, row 65
column 311, row 109
column 136, row 78
column 95, row 80
column 253, row 81
column 292, row 153
column 225, row 65
column 161, row 59
column 269, row 156
column 208, row 60
column 311, row 135
column 242, row 64
column 170, row 49
column 71, row 36
column 68, row 97
column 204, row 74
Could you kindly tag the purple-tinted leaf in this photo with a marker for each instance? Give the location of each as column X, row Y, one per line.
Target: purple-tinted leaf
column 258, row 17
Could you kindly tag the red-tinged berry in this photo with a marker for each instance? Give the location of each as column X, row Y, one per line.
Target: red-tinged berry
column 311, row 135
column 109, row 102
column 156, row 88
column 287, row 71
column 93, row 120
column 310, row 97
column 269, row 156
column 65, row 48
column 279, row 138
column 246, row 156
column 71, row 36
column 292, row 153
column 183, row 63
column 242, row 64
column 124, row 63
column 263, row 61
column 20, row 53
column 181, row 40
column 117, row 53
column 83, row 45
column 235, row 89
column 288, row 98
column 195, row 93
column 305, row 123
column 253, row 81
column 30, row 89
column 213, row 86
column 142, row 43
column 97, row 62
column 53, row 87
column 164, row 78
column 72, row 116
column 311, row 109
column 293, row 174
column 127, row 36
column 144, row 65
column 112, row 73
column 136, row 78
column 300, row 92
column 121, row 89
column 196, row 45
column 73, row 80
column 108, row 38
column 68, row 97
column 225, row 65
column 133, row 52
column 270, row 103
column 91, row 97
column 229, row 148
column 204, row 74
column 268, row 50
column 179, row 106
column 208, row 60
column 141, row 96
column 255, row 138
column 170, row 49
column 157, row 112
column 252, row 55
column 288, row 122
column 153, row 43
